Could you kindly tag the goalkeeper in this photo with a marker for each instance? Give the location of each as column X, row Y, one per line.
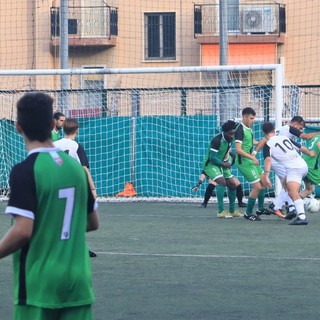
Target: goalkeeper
column 217, row 167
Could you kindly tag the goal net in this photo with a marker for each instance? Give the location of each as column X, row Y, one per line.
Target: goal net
column 148, row 129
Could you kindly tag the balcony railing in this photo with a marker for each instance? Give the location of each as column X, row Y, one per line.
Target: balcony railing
column 243, row 19
column 95, row 23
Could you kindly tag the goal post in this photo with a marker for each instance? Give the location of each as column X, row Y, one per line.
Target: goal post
column 147, row 126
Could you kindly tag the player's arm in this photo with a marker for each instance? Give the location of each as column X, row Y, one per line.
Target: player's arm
column 92, row 217
column 302, row 135
column 92, row 221
column 21, row 207
column 17, row 236
column 303, row 149
column 259, row 146
column 255, row 142
column 85, row 163
column 242, row 153
column 91, row 183
column 267, row 164
column 213, row 155
column 308, row 136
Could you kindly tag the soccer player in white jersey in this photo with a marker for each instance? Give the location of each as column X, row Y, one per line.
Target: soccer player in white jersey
column 75, row 149
column 77, row 152
column 280, row 148
column 293, row 130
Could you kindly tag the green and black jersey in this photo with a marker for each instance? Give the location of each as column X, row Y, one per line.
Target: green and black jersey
column 53, row 269
column 218, row 150
column 244, row 135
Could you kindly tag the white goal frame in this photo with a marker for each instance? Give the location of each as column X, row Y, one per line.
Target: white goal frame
column 65, row 73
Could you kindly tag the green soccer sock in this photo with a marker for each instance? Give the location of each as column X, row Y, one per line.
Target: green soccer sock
column 250, row 206
column 261, row 197
column 220, row 194
column 232, row 200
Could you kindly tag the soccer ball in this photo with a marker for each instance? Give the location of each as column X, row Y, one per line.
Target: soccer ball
column 311, row 204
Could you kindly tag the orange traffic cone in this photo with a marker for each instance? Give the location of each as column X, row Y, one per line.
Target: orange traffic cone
column 128, row 191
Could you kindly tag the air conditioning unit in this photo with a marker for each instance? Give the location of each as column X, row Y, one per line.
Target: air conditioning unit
column 259, row 20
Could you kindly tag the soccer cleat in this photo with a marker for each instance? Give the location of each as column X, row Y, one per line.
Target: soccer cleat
column 279, row 214
column 236, row 214
column 242, row 205
column 291, row 215
column 265, row 211
column 253, row 217
column 203, row 205
column 299, row 222
column 271, row 206
column 224, row 214
column 196, row 187
column 92, row 254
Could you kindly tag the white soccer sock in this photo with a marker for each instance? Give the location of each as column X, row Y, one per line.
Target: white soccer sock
column 300, row 208
column 289, row 200
column 278, row 202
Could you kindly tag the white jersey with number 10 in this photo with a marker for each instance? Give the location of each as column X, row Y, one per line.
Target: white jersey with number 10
column 283, row 151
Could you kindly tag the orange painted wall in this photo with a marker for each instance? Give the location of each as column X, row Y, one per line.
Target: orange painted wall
column 240, row 54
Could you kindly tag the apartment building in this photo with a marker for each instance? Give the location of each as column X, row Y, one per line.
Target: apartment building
column 140, row 33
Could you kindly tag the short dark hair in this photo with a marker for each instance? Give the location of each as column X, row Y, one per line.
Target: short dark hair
column 228, row 126
column 34, row 115
column 267, row 127
column 70, row 126
column 57, row 115
column 248, row 111
column 298, row 119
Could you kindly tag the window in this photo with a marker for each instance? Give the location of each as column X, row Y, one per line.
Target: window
column 93, row 85
column 160, row 36
column 233, row 16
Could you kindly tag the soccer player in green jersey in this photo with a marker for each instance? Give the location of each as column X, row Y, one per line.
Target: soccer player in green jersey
column 217, row 167
column 313, row 177
column 52, row 208
column 59, row 119
column 248, row 164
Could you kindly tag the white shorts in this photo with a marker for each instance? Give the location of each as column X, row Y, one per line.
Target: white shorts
column 296, row 174
column 279, row 170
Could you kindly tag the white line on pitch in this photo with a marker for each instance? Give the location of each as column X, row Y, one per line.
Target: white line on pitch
column 175, row 255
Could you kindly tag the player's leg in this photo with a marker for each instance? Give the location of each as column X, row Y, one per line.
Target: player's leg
column 221, row 187
column 252, row 174
column 80, row 312
column 23, row 312
column 208, row 193
column 294, row 178
column 308, row 190
column 231, row 189
column 310, row 181
column 212, row 172
column 279, row 201
column 239, row 193
column 282, row 198
column 220, row 190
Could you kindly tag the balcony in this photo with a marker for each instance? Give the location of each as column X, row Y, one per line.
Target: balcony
column 87, row 26
column 247, row 23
